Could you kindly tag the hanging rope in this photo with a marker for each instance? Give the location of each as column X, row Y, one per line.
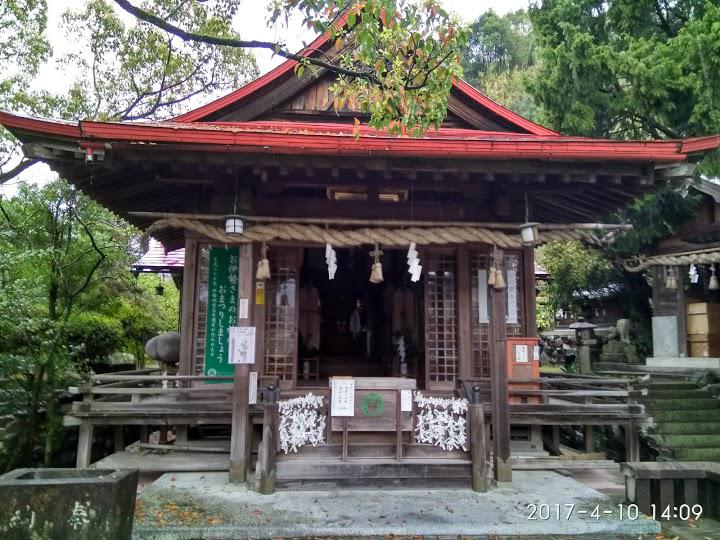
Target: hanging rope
column 387, row 236
column 681, row 259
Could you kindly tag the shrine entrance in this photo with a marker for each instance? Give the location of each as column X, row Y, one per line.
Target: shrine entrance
column 349, row 326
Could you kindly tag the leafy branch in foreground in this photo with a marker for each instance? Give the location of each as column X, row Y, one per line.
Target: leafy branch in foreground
column 394, row 59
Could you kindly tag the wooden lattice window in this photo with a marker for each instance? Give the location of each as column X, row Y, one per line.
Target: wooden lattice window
column 482, row 316
column 201, row 308
column 441, row 321
column 281, row 317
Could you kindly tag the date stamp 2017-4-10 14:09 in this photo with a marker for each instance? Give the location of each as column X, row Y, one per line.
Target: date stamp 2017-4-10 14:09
column 629, row 512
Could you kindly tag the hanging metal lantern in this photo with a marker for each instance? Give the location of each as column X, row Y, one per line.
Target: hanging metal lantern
column 234, row 225
column 529, row 234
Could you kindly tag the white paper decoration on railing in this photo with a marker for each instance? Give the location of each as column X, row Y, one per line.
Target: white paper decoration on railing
column 441, row 422
column 331, row 260
column 414, row 263
column 301, row 422
column 693, row 274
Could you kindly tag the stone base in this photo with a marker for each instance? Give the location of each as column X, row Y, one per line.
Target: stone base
column 688, row 363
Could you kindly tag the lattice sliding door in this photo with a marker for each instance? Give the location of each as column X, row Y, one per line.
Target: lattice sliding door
column 281, row 315
column 201, row 302
column 441, row 320
column 481, row 316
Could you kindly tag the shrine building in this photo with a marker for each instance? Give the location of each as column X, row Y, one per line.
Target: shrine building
column 339, row 253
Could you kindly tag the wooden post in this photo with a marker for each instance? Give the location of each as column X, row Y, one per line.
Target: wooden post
column 632, row 442
column 144, row 433
column 478, row 452
column 187, row 309
column 398, row 426
column 85, row 439
column 240, row 430
column 265, row 470
column 85, row 433
column 556, row 440
column 589, row 441
column 681, row 320
column 119, row 438
column 464, row 314
column 501, row 412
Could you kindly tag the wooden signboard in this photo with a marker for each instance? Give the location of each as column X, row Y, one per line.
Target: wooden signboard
column 376, row 401
column 223, row 265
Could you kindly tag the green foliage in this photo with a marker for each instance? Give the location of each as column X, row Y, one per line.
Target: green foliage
column 500, row 60
column 629, row 68
column 92, row 337
column 126, row 71
column 654, row 216
column 573, row 268
column 66, row 298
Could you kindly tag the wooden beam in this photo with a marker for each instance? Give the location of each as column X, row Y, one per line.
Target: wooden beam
column 240, row 430
column 499, row 388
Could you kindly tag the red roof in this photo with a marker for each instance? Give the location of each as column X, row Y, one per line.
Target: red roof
column 286, row 69
column 281, row 137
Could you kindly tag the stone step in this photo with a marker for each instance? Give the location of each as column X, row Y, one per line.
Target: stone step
column 712, row 415
column 364, row 468
column 679, row 385
column 686, row 428
column 681, row 393
column 681, row 404
column 698, row 454
column 689, row 441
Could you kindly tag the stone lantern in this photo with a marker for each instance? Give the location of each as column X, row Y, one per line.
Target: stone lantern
column 585, row 336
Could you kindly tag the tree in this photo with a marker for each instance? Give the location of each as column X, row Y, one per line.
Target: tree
column 127, row 71
column 629, row 68
column 395, row 59
column 500, row 60
column 66, row 298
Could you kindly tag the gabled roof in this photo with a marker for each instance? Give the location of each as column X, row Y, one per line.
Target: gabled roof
column 264, row 84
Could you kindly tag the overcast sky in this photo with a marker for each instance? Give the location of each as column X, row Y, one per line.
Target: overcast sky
column 251, row 24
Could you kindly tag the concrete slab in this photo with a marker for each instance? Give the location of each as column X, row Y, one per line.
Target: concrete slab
column 690, row 363
column 202, row 505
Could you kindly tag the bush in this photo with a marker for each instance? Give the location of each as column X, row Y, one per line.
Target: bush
column 92, row 337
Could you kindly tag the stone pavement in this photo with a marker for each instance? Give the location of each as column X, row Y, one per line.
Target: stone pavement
column 203, row 505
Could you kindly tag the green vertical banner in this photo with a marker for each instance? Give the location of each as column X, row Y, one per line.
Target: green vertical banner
column 221, row 308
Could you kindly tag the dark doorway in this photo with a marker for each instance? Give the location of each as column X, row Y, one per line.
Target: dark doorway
column 350, row 326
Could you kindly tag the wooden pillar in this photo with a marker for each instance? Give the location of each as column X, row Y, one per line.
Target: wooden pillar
column 85, row 439
column 501, row 412
column 187, row 309
column 632, row 442
column 589, row 440
column 464, row 284
column 680, row 310
column 478, row 453
column 119, row 438
column 240, row 429
column 529, row 292
column 265, row 470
